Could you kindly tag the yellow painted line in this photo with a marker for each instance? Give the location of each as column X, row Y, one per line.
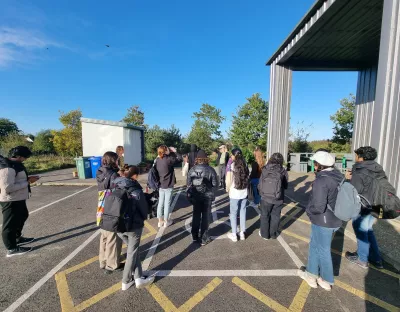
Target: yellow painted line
column 198, row 297
column 161, row 299
column 301, row 297
column 96, row 298
column 288, row 217
column 342, row 254
column 152, row 231
column 297, row 219
column 81, row 265
column 67, row 304
column 259, row 295
column 367, row 297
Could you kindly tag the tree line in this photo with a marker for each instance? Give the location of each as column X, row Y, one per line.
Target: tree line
column 248, row 130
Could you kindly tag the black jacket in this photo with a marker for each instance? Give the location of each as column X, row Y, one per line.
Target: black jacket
column 136, row 207
column 284, row 178
column 204, row 179
column 165, row 169
column 324, row 192
column 192, row 155
column 105, row 177
column 362, row 176
column 226, row 158
column 255, row 172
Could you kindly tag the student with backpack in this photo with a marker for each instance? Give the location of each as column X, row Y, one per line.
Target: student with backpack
column 273, row 181
column 369, row 178
column 202, row 181
column 110, row 243
column 237, row 180
column 324, row 223
column 125, row 212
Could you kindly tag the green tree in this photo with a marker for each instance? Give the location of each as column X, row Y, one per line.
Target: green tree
column 43, row 143
column 344, row 120
column 12, row 140
column 6, row 127
column 298, row 136
column 68, row 141
column 134, row 116
column 250, row 124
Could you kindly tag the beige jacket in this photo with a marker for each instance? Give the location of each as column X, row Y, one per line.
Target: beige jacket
column 13, row 187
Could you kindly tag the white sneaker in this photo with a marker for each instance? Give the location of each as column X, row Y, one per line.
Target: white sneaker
column 232, row 236
column 324, row 284
column 312, row 282
column 160, row 224
column 144, row 281
column 242, row 236
column 167, row 223
column 126, row 286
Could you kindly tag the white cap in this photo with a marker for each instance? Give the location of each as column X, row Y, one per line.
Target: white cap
column 222, row 146
column 324, row 159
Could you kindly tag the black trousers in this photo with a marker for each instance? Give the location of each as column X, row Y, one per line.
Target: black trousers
column 14, row 216
column 201, row 216
column 270, row 218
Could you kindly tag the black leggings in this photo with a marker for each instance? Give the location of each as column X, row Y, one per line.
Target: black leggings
column 14, row 216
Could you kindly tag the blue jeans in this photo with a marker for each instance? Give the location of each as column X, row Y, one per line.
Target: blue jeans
column 319, row 253
column 367, row 247
column 257, row 197
column 164, row 203
column 235, row 206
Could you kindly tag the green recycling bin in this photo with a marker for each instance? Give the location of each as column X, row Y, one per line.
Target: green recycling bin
column 84, row 168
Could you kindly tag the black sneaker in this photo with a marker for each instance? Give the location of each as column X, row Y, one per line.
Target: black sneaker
column 24, row 240
column 353, row 257
column 18, row 251
column 378, row 265
column 119, row 269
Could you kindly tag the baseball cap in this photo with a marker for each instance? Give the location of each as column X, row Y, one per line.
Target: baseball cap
column 323, row 158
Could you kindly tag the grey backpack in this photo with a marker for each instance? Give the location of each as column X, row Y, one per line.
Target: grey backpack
column 348, row 202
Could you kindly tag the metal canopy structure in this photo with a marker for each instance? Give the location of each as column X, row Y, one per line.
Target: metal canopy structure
column 346, row 35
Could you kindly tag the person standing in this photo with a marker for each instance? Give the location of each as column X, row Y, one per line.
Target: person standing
column 255, row 174
column 222, row 161
column 362, row 177
column 202, row 180
column 192, row 155
column 167, row 158
column 273, row 182
column 14, row 191
column 120, row 152
column 324, row 223
column 237, row 179
column 135, row 212
column 110, row 243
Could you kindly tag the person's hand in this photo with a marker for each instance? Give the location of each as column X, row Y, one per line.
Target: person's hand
column 172, row 149
column 348, row 175
column 33, row 179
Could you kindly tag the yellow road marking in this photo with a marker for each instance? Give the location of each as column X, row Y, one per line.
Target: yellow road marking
column 271, row 303
column 301, row 297
column 367, row 297
column 168, row 306
column 80, row 265
column 67, row 304
column 152, row 231
column 96, row 298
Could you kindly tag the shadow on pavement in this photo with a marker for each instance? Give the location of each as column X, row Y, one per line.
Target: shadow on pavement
column 65, row 231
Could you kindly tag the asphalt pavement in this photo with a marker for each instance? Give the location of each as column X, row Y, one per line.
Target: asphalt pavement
column 62, row 272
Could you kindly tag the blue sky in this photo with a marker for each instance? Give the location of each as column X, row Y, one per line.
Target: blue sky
column 169, row 57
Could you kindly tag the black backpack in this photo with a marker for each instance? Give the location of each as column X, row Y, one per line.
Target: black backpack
column 153, row 178
column 270, row 186
column 384, row 197
column 115, row 208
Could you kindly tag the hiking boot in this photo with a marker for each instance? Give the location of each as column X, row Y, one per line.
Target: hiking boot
column 324, row 284
column 242, row 236
column 259, row 233
column 24, row 240
column 233, row 237
column 144, row 281
column 311, row 281
column 353, row 257
column 18, row 251
column 378, row 265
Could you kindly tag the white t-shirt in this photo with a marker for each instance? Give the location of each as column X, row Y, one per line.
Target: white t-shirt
column 235, row 193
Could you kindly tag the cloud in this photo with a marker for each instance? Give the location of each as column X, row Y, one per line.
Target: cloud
column 19, row 45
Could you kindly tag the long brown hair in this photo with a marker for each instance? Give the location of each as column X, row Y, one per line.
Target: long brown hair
column 259, row 155
column 109, row 160
column 162, row 149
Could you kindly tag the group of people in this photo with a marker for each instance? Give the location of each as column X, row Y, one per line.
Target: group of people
column 119, row 190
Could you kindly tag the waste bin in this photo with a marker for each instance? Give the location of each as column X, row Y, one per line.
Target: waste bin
column 95, row 163
column 83, row 166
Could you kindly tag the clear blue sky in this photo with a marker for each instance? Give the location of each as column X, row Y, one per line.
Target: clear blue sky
column 169, row 57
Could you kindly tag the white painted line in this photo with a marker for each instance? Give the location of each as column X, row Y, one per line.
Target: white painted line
column 214, row 273
column 290, row 252
column 57, row 201
column 49, row 275
column 146, row 263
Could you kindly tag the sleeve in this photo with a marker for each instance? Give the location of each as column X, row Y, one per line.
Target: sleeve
column 226, row 157
column 189, row 179
column 285, row 183
column 357, row 182
column 143, row 207
column 8, row 183
column 229, row 179
column 214, row 178
column 260, row 183
column 319, row 198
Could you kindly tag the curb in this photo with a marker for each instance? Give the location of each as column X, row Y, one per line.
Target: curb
column 64, row 184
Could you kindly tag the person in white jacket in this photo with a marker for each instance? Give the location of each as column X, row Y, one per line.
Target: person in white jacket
column 14, row 191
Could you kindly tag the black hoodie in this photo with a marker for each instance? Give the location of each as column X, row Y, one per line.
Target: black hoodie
column 192, row 155
column 105, row 177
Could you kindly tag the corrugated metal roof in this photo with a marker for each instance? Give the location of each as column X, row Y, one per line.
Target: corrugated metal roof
column 111, row 123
